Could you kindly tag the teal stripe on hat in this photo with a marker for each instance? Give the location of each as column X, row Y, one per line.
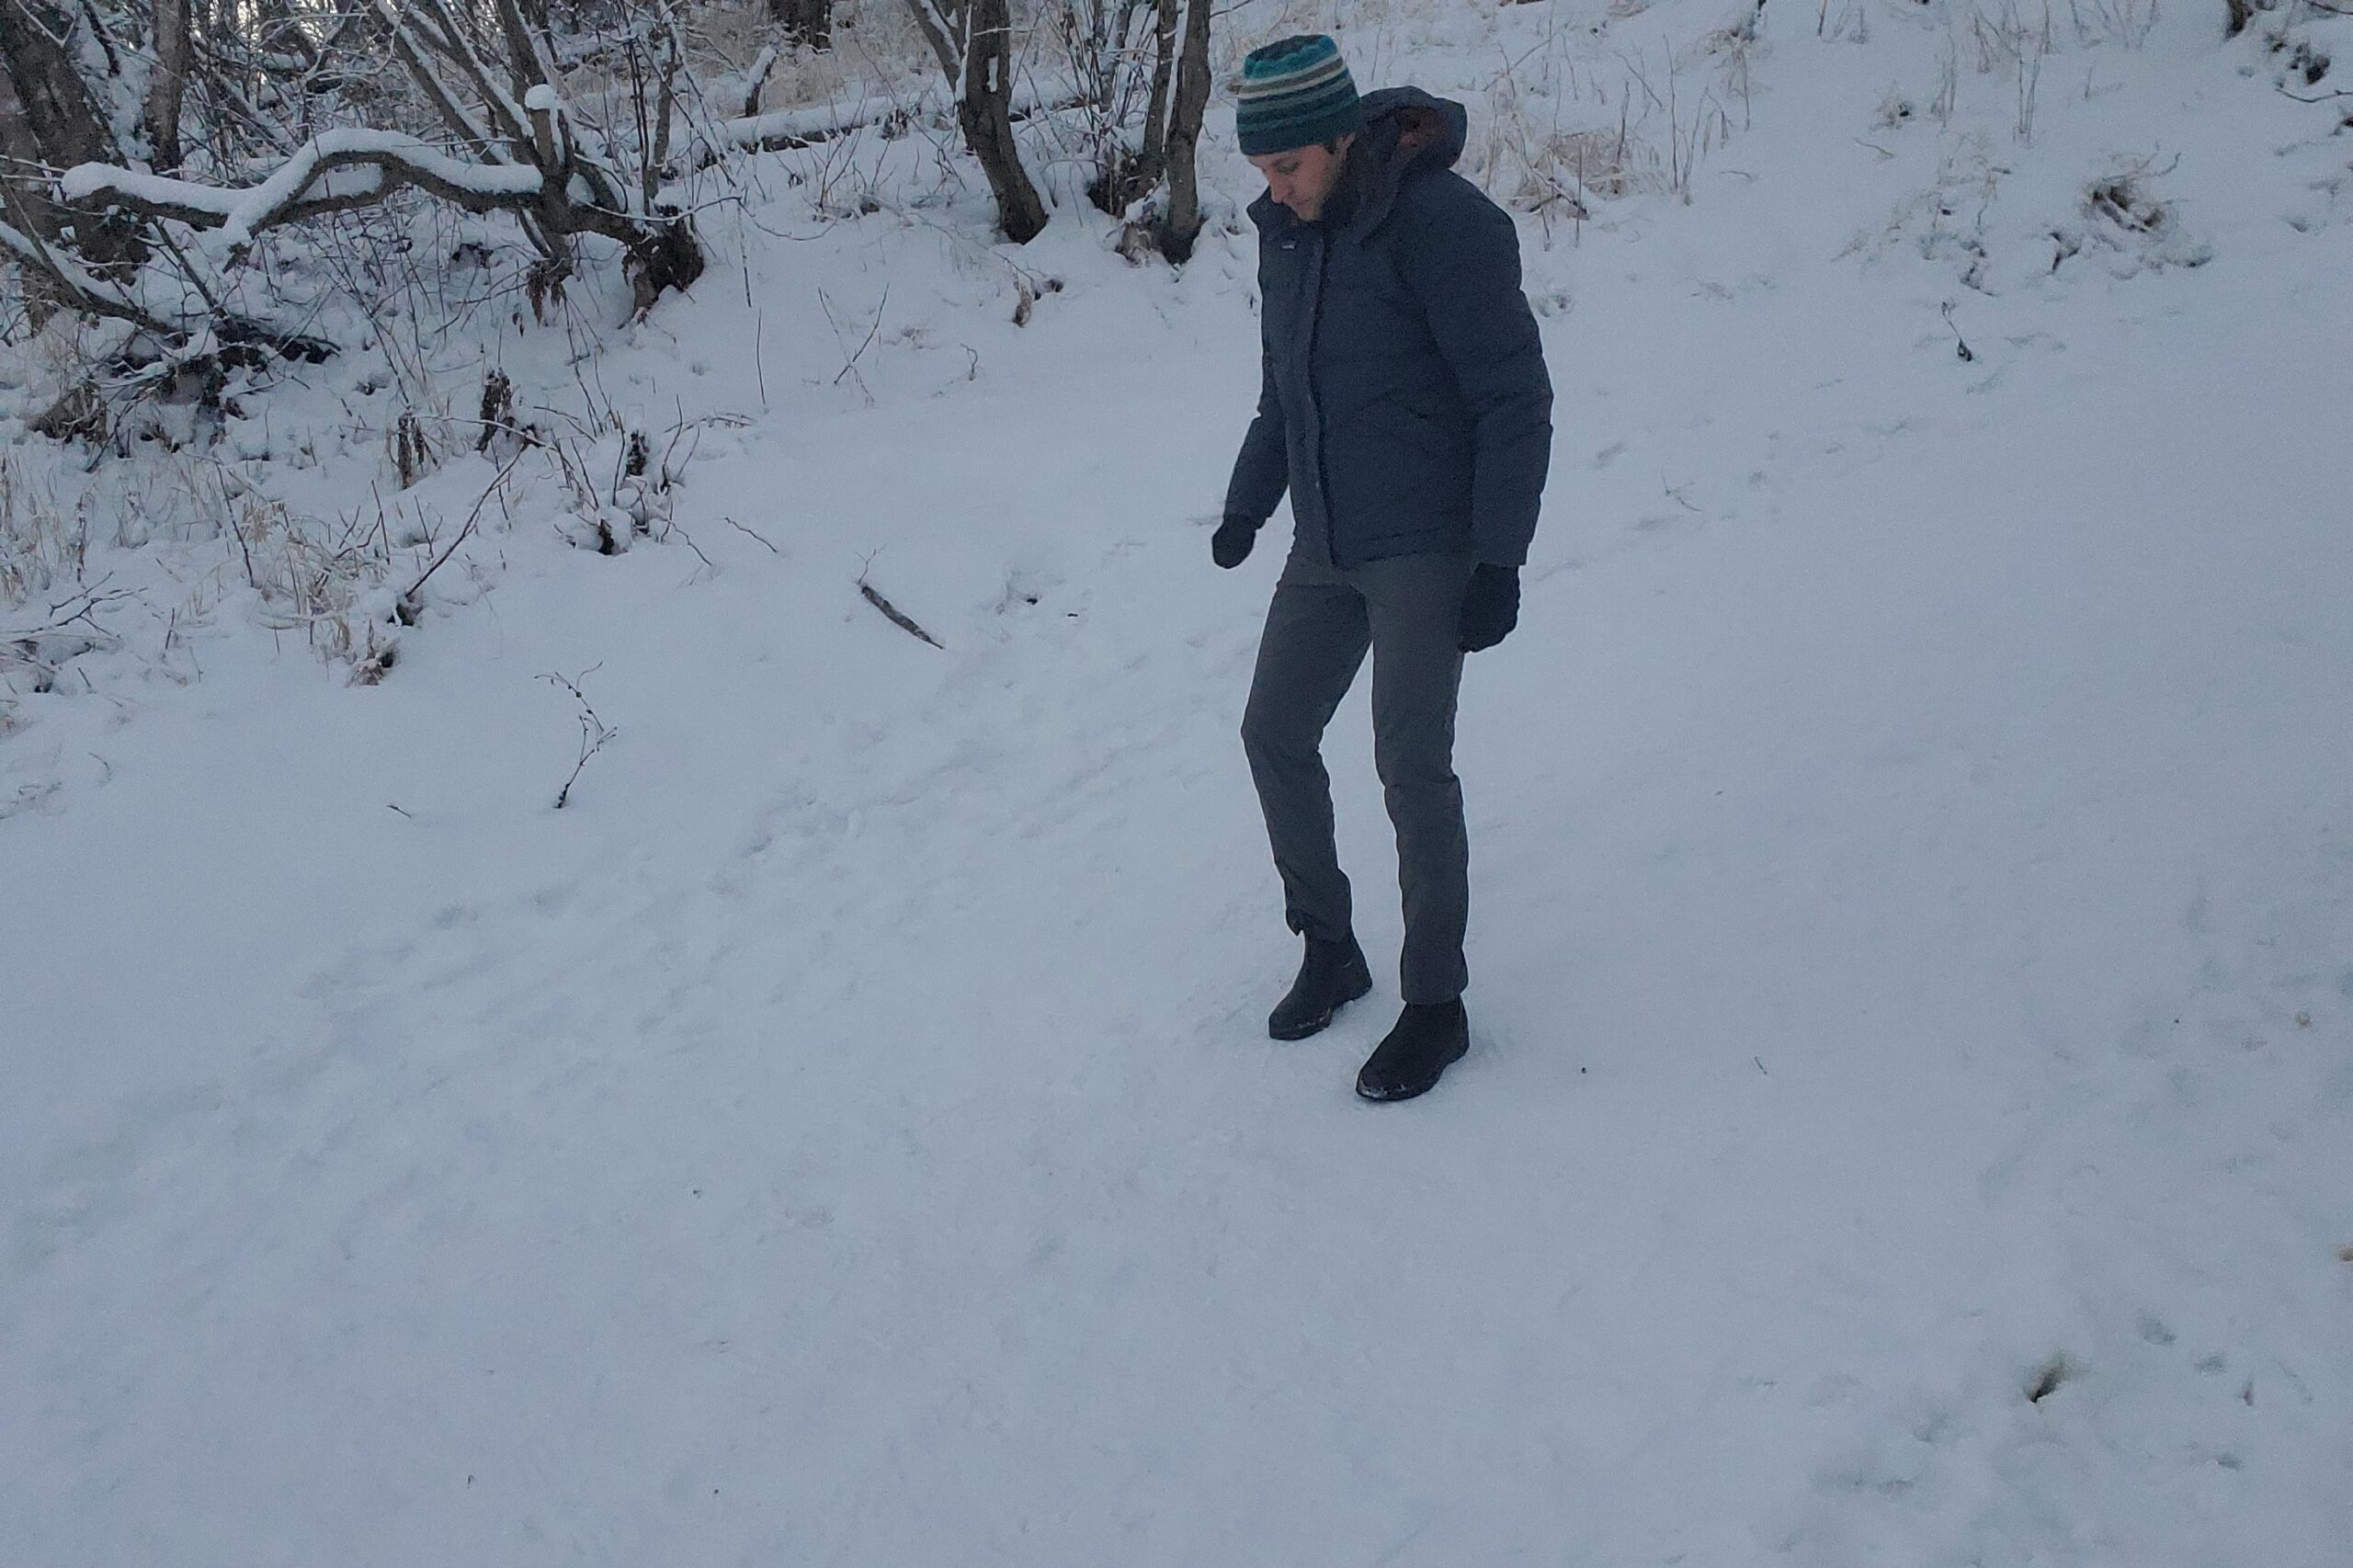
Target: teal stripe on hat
column 1288, row 56
column 1293, row 93
column 1332, row 68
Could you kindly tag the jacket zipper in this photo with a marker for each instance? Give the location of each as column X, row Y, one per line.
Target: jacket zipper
column 1315, row 395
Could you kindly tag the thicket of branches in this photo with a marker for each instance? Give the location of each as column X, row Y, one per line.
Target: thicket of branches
column 148, row 146
column 1140, row 76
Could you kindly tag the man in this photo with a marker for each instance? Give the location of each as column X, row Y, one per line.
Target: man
column 1405, row 407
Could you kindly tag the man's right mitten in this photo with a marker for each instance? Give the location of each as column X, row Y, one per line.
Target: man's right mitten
column 1230, row 546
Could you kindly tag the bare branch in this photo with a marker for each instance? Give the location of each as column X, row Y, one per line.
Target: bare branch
column 408, row 598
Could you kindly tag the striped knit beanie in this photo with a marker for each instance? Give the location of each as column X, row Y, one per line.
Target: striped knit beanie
column 1293, row 93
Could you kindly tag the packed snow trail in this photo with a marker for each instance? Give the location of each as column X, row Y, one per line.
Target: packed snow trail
column 1911, row 972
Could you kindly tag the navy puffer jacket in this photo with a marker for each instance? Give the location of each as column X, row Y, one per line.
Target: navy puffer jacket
column 1405, row 404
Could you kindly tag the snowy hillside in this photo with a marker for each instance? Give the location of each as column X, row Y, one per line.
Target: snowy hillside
column 1909, row 1118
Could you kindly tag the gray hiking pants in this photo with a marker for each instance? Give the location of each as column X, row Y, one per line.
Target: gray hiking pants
column 1407, row 610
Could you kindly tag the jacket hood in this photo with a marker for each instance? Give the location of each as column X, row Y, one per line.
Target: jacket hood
column 1428, row 131
column 1406, row 131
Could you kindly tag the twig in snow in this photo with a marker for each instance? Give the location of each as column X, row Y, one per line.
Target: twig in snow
column 759, row 365
column 80, row 607
column 896, row 616
column 253, row 581
column 742, row 529
column 594, row 731
column 850, row 367
column 1960, row 345
column 688, row 539
column 408, row 605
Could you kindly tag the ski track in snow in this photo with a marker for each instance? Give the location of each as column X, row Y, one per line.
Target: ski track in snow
column 1912, row 965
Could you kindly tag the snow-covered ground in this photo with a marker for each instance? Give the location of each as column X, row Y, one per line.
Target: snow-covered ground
column 1910, row 1116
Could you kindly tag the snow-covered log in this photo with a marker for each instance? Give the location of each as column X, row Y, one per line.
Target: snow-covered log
column 777, row 130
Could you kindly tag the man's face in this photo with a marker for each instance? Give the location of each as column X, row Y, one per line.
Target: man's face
column 1302, row 179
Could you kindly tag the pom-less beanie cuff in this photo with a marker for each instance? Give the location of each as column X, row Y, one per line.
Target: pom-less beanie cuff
column 1293, row 93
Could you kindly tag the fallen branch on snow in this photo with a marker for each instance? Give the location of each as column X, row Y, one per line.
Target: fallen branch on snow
column 896, row 616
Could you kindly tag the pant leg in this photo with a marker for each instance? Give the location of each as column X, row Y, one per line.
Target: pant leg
column 1414, row 604
column 1314, row 642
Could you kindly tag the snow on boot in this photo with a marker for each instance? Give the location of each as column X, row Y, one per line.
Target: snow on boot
column 1429, row 1038
column 1331, row 974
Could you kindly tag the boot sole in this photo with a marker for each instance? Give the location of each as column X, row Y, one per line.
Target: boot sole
column 1322, row 1021
column 1413, row 1091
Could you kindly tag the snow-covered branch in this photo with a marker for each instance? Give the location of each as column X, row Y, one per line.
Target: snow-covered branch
column 945, row 34
column 87, row 291
column 107, row 235
column 336, row 170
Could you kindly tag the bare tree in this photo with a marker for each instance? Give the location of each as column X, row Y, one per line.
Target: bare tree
column 973, row 42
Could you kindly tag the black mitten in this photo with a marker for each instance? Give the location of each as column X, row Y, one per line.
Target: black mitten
column 1230, row 546
column 1490, row 607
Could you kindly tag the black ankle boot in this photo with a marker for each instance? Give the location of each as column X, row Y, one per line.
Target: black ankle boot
column 1332, row 973
column 1428, row 1039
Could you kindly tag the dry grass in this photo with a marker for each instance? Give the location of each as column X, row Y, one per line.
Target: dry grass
column 38, row 547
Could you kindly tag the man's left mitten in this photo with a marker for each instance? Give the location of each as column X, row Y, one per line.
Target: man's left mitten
column 1490, row 607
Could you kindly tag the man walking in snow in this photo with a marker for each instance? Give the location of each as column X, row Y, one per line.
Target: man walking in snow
column 1406, row 409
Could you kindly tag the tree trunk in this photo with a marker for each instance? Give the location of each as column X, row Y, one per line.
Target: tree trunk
column 1123, row 177
column 21, row 201
column 57, row 105
column 61, row 122
column 1184, row 225
column 1164, row 61
column 175, row 49
column 809, row 23
column 985, row 111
